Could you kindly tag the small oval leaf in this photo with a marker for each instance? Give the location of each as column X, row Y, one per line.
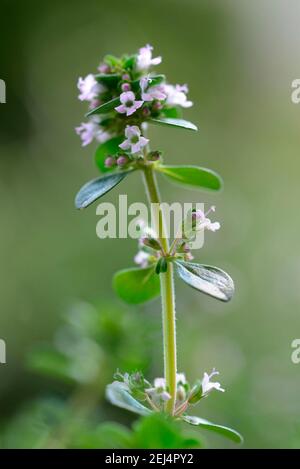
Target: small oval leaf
column 207, row 279
column 195, row 176
column 96, row 188
column 137, row 285
column 110, row 147
column 221, row 429
column 104, row 108
column 174, row 122
column 118, row 395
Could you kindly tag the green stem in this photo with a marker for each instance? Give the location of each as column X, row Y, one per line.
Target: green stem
column 167, row 294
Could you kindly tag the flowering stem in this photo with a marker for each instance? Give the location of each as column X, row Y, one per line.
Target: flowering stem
column 167, row 294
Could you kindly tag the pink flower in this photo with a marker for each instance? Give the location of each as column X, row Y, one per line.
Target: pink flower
column 152, row 92
column 203, row 222
column 176, row 95
column 89, row 88
column 129, row 104
column 144, row 58
column 134, row 141
column 88, row 131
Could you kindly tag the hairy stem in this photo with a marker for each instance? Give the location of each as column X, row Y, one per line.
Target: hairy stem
column 167, row 294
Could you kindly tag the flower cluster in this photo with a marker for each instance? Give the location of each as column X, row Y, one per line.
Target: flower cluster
column 156, row 394
column 150, row 249
column 122, row 97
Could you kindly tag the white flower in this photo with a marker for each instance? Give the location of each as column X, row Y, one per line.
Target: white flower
column 134, row 141
column 144, row 58
column 152, row 92
column 142, row 259
column 176, row 95
column 207, row 385
column 161, row 382
column 88, row 131
column 128, row 103
column 89, row 88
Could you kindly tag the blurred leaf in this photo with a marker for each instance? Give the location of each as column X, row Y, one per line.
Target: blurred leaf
column 108, row 79
column 112, row 61
column 108, row 435
column 207, row 279
column 104, row 108
column 111, row 147
column 118, row 395
column 221, row 429
column 195, row 176
column 50, row 362
column 173, row 122
column 96, row 188
column 129, row 62
column 137, row 285
column 33, row 425
column 157, row 431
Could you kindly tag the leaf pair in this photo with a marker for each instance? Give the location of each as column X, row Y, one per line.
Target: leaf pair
column 189, row 175
column 117, row 393
column 137, row 285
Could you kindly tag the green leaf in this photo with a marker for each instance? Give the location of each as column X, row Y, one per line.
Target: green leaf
column 112, row 61
column 173, row 112
column 110, row 147
column 207, row 279
column 158, row 430
column 118, row 395
column 195, row 176
column 96, row 188
column 161, row 266
column 221, row 429
column 108, row 79
column 104, row 108
column 129, row 62
column 137, row 285
column 173, row 122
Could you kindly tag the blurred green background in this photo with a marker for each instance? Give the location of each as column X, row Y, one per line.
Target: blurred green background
column 239, row 59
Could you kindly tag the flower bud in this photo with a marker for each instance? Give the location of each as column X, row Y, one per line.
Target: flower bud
column 146, row 112
column 154, row 155
column 126, row 87
column 125, row 77
column 151, row 243
column 122, row 160
column 157, row 106
column 104, row 68
column 181, row 394
column 109, row 162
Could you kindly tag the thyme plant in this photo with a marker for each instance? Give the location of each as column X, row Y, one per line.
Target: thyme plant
column 125, row 96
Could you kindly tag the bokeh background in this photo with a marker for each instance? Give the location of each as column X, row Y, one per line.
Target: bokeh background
column 239, row 59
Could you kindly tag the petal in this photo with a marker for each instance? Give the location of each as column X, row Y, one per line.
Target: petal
column 127, row 96
column 130, row 110
column 143, row 141
column 132, row 131
column 125, row 145
column 121, row 109
column 136, row 148
column 156, row 61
